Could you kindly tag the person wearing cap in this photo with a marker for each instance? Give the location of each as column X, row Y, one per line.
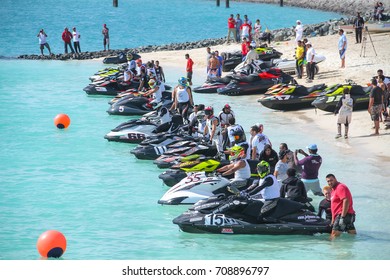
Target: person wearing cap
column 299, row 57
column 310, row 54
column 311, row 164
column 182, row 98
column 225, row 114
column 67, row 38
column 343, row 214
column 76, row 40
column 298, row 31
column 342, row 47
column 106, row 37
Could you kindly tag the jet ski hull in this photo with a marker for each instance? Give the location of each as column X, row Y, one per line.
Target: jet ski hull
column 287, row 102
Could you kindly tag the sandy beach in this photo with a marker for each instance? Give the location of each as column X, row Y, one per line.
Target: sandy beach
column 361, row 66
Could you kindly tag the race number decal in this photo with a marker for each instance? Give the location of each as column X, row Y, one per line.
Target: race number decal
column 193, row 178
column 121, row 109
column 100, row 89
column 218, row 220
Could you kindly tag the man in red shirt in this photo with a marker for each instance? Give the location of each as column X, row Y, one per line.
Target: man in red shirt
column 244, row 48
column 231, row 28
column 343, row 215
column 189, row 68
column 67, row 38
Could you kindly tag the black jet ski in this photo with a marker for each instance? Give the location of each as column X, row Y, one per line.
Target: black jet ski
column 136, row 130
column 231, row 60
column 138, row 105
column 292, row 97
column 119, row 58
column 328, row 101
column 110, row 87
column 255, row 83
column 152, row 152
column 212, row 84
column 237, row 215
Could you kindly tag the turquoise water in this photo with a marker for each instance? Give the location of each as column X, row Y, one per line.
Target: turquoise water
column 134, row 23
column 105, row 201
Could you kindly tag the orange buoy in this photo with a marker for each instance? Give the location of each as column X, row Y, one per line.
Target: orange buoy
column 51, row 244
column 62, row 121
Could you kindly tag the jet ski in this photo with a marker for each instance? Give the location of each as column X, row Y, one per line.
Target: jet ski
column 328, row 101
column 136, row 130
column 231, row 60
column 110, row 87
column 202, row 185
column 179, row 171
column 188, row 157
column 169, row 146
column 212, row 84
column 196, row 186
column 288, row 66
column 138, row 105
column 255, row 83
column 119, row 58
column 238, row 215
column 104, row 73
column 292, row 97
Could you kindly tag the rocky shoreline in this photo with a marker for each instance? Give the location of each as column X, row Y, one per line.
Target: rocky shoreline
column 348, row 7
column 284, row 34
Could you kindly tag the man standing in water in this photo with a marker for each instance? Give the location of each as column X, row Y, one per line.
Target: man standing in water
column 343, row 215
column 106, row 37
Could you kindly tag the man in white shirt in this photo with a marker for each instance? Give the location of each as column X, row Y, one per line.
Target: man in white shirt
column 76, row 40
column 310, row 54
column 298, row 31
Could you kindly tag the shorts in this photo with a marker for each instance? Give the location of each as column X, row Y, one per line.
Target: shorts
column 189, row 76
column 313, row 185
column 42, row 46
column 376, row 112
column 348, row 223
column 342, row 53
column 344, row 119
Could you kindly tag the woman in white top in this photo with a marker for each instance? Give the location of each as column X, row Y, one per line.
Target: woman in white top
column 182, row 98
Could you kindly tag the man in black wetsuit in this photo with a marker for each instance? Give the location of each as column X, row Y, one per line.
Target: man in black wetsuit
column 324, row 210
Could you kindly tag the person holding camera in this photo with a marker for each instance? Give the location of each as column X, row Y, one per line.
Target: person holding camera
column 42, row 41
column 311, row 164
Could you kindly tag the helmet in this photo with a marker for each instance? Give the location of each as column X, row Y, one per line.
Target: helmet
column 208, row 111
column 183, row 81
column 236, row 152
column 263, row 169
column 152, row 83
column 139, row 61
column 227, row 106
column 129, row 56
column 238, row 135
column 200, row 115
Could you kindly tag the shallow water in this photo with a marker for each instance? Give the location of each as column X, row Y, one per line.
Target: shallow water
column 95, row 192
column 104, row 200
column 134, row 23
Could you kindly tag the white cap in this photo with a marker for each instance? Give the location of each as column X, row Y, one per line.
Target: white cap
column 298, row 21
column 309, row 43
